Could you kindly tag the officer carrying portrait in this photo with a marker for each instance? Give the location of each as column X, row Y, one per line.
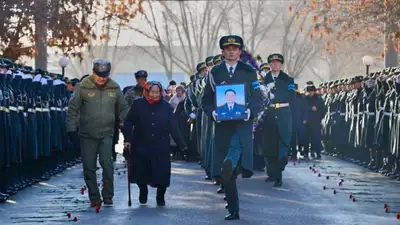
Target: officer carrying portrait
column 230, row 100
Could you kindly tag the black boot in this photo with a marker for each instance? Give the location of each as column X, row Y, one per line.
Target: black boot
column 161, row 195
column 143, row 194
column 390, row 165
column 371, row 159
column 378, row 160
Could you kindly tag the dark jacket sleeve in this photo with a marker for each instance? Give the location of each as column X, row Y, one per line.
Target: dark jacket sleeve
column 255, row 95
column 208, row 100
column 174, row 128
column 129, row 122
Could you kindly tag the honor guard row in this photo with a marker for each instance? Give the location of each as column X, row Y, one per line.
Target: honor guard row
column 364, row 111
column 33, row 107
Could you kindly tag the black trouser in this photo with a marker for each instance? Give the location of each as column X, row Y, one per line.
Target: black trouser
column 231, row 194
column 275, row 167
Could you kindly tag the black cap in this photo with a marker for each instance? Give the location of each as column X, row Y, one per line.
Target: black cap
column 141, row 73
column 209, row 60
column 276, row 56
column 201, row 66
column 102, row 67
column 217, row 59
column 231, row 40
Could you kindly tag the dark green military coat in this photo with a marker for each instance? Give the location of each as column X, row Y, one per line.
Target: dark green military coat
column 283, row 116
column 94, row 108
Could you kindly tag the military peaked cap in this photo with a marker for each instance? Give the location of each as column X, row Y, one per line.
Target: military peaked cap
column 231, row 40
column 218, row 58
column 264, row 66
column 209, row 60
column 201, row 66
column 276, row 56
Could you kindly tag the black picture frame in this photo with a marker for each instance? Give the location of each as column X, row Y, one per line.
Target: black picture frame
column 236, row 107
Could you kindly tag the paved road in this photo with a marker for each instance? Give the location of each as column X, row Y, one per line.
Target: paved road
column 191, row 200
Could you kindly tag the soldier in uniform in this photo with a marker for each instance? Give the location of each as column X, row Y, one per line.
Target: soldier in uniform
column 136, row 91
column 316, row 111
column 233, row 139
column 278, row 121
column 92, row 101
column 299, row 121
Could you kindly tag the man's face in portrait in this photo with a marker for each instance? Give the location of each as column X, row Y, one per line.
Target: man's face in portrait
column 230, row 97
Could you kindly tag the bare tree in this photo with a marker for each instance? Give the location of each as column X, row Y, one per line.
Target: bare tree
column 195, row 28
column 298, row 45
column 256, row 18
column 108, row 21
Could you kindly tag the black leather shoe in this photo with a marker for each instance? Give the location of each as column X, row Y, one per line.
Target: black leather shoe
column 221, row 190
column 227, row 206
column 232, row 216
column 217, row 182
column 227, row 169
column 143, row 195
column 225, row 198
column 278, row 183
column 207, row 178
column 269, row 179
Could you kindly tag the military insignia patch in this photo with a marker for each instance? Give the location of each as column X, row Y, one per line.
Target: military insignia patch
column 91, row 94
column 112, row 94
column 231, row 40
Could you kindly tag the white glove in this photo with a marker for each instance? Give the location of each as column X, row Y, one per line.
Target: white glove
column 192, row 116
column 398, row 79
column 271, row 96
column 214, row 115
column 263, row 73
column 248, row 114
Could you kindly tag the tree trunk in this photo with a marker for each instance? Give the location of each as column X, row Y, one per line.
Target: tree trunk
column 169, row 74
column 391, row 57
column 41, row 34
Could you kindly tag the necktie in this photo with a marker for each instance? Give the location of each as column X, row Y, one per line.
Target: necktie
column 231, row 71
column 230, row 108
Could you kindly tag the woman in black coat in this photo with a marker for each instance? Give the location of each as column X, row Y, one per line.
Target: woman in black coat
column 147, row 130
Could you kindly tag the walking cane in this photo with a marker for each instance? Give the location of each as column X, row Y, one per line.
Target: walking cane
column 128, row 167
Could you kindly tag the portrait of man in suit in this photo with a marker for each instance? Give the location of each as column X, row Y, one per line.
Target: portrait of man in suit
column 231, row 109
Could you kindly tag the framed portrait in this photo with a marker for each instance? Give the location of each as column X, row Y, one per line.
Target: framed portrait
column 231, row 102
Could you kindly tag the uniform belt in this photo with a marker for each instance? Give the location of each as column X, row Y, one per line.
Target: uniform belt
column 65, row 108
column 386, row 113
column 20, row 108
column 381, row 108
column 279, row 105
column 43, row 109
column 13, row 108
column 342, row 114
column 59, row 109
column 332, row 113
column 370, row 113
column 53, row 108
column 4, row 109
column 360, row 113
column 31, row 110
